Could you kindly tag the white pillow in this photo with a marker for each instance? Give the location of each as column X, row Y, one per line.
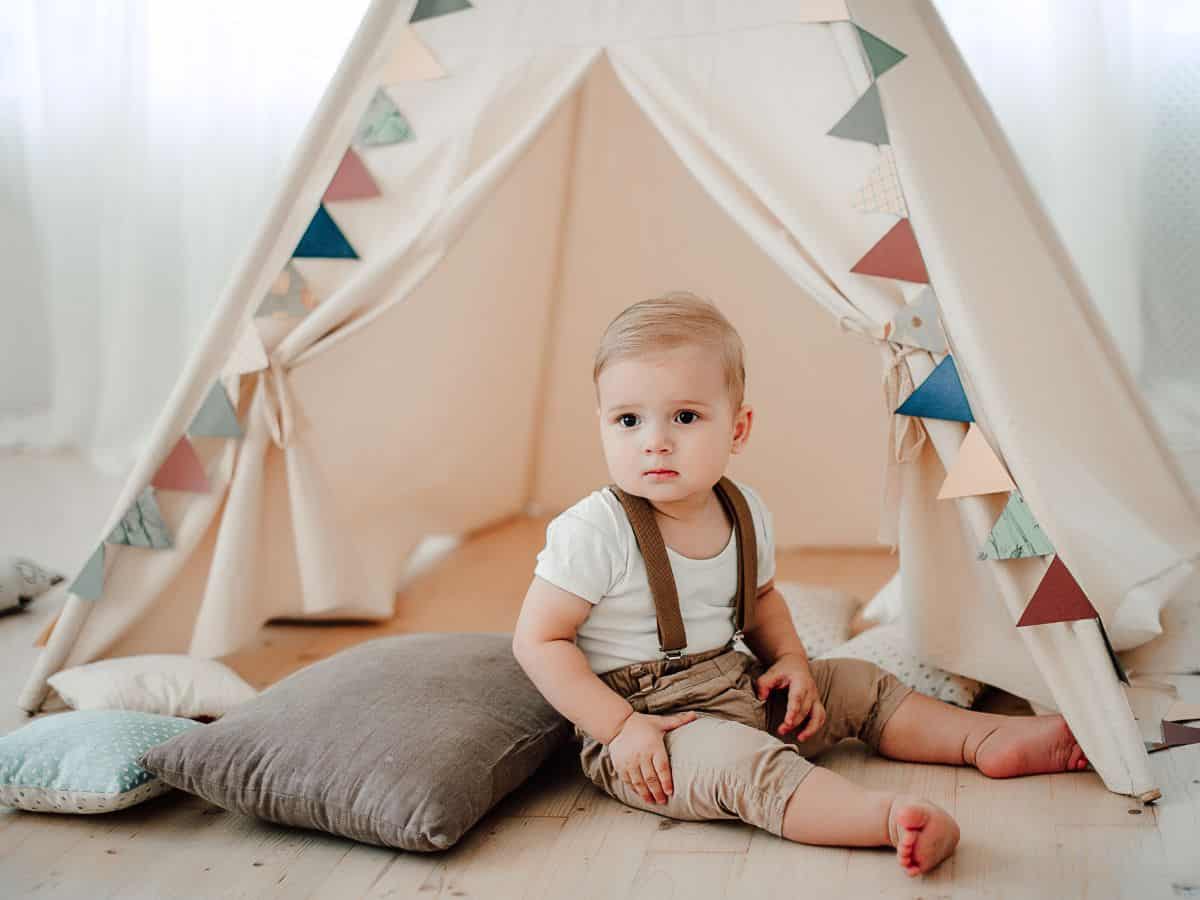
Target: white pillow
column 821, row 615
column 885, row 645
column 166, row 684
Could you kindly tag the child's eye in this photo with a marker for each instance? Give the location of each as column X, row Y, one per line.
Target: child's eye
column 627, row 420
column 686, row 416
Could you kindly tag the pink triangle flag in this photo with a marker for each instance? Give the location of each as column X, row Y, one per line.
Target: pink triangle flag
column 351, row 181
column 976, row 471
column 249, row 355
column 410, row 60
column 895, row 256
column 182, row 470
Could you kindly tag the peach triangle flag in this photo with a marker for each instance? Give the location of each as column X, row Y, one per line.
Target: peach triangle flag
column 351, row 181
column 182, row 470
column 249, row 355
column 976, row 471
column 411, row 60
column 895, row 256
column 1181, row 711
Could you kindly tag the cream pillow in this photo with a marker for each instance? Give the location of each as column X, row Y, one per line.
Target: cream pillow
column 821, row 615
column 886, row 646
column 165, row 684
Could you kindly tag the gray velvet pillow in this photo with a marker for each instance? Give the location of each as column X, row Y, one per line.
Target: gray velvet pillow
column 403, row 741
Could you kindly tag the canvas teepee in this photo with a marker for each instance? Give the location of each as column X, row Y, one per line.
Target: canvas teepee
column 405, row 348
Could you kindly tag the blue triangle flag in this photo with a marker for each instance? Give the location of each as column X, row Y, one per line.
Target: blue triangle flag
column 89, row 583
column 940, row 396
column 323, row 239
column 864, row 121
column 216, row 417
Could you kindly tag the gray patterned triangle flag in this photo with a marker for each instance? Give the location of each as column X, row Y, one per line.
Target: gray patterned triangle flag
column 142, row 525
column 1016, row 534
column 382, row 123
column 288, row 297
column 89, row 583
column 216, row 417
column 864, row 121
column 917, row 325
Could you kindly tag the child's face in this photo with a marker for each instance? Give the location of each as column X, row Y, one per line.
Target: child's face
column 667, row 423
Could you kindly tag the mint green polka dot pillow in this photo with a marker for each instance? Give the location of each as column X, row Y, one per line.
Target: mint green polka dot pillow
column 84, row 761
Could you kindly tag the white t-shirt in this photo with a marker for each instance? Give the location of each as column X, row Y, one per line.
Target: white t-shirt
column 591, row 552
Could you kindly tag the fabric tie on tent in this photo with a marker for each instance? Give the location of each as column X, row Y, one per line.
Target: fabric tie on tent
column 906, row 436
column 277, row 405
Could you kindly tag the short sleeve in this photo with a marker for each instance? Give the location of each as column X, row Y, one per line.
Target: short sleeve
column 579, row 557
column 764, row 534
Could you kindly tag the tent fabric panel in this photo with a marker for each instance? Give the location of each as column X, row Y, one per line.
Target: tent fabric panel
column 640, row 224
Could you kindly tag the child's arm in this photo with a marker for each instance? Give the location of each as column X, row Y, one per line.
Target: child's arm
column 544, row 645
column 773, row 634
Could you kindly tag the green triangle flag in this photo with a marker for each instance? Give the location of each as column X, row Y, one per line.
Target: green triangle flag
column 216, row 417
column 881, row 54
column 382, row 123
column 864, row 121
column 142, row 525
column 1016, row 534
column 89, row 583
column 428, row 9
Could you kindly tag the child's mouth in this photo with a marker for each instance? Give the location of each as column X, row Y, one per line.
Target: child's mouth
column 661, row 473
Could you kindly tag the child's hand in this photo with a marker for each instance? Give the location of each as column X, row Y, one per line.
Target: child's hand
column 639, row 754
column 804, row 701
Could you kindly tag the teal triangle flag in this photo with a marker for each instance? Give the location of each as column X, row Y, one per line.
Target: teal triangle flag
column 142, row 525
column 864, row 122
column 323, row 239
column 1016, row 534
column 881, row 54
column 216, row 417
column 940, row 396
column 428, row 9
column 382, row 123
column 89, row 583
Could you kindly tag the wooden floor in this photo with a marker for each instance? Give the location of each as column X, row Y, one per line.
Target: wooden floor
column 557, row 836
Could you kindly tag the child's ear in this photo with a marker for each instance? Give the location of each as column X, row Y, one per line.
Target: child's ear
column 742, row 422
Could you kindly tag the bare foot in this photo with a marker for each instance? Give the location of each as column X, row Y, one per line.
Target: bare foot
column 923, row 834
column 1027, row 745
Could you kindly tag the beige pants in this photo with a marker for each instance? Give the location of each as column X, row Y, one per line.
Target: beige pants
column 730, row 762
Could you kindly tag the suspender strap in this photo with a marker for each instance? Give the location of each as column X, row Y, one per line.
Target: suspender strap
column 671, row 636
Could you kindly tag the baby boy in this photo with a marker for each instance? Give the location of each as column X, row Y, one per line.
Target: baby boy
column 708, row 731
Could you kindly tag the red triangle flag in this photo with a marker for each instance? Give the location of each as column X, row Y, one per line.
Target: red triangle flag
column 182, row 470
column 1059, row 598
column 351, row 181
column 1179, row 735
column 895, row 256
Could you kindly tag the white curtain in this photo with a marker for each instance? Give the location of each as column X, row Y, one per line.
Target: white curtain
column 1101, row 101
column 140, row 143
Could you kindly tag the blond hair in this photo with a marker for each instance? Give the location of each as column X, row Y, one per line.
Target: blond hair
column 674, row 320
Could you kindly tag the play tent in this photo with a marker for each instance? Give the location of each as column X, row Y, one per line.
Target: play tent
column 407, row 343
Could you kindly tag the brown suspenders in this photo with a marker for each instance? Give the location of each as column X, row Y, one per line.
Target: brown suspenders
column 671, row 637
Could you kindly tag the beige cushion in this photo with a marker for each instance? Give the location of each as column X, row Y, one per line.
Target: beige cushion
column 403, row 741
column 168, row 684
column 821, row 615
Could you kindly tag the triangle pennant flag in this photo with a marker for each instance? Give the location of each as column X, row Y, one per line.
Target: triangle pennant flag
column 940, row 396
column 1016, row 534
column 864, row 121
column 351, row 181
column 918, row 324
column 182, row 470
column 248, row 355
column 382, row 123
column 288, row 296
column 881, row 192
column 1058, row 598
column 89, row 583
column 142, row 525
column 1175, row 735
column 881, row 54
column 895, row 256
column 323, row 239
column 428, row 9
column 216, row 417
column 976, row 471
column 1182, row 711
column 822, row 11
column 411, row 60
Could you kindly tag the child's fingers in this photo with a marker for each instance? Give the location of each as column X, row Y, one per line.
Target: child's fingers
column 816, row 719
